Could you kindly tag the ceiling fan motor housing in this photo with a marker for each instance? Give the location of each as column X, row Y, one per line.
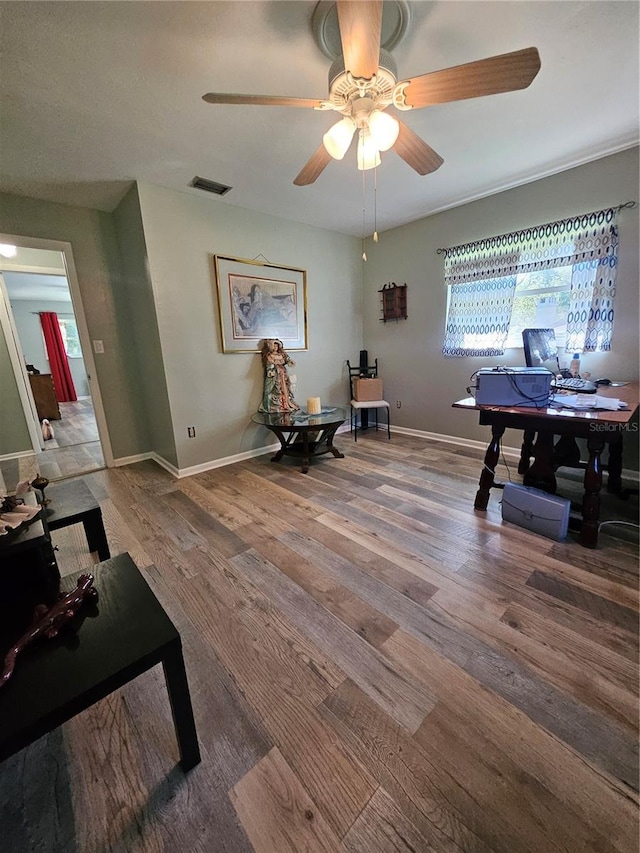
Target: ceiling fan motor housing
column 342, row 88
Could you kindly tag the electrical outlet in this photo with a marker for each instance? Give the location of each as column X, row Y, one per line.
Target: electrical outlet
column 191, row 432
column 398, row 404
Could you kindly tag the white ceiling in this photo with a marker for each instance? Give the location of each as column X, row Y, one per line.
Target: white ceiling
column 36, row 287
column 96, row 94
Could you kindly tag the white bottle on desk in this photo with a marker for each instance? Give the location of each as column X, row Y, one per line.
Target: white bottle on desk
column 574, row 367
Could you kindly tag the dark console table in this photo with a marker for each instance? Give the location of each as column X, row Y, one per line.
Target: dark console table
column 120, row 636
column 304, row 436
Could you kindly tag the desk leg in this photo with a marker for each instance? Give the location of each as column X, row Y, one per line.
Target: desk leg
column 180, row 699
column 591, row 500
column 614, row 465
column 95, row 533
column 540, row 475
column 487, row 476
column 527, row 450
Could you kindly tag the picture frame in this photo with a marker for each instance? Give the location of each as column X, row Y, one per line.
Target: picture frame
column 258, row 300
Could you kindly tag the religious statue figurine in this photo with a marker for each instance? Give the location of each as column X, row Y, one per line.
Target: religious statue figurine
column 278, row 394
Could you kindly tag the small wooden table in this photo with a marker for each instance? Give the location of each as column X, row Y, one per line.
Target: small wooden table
column 304, row 436
column 597, row 427
column 122, row 635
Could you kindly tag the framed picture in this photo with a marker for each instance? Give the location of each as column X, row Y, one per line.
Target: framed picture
column 260, row 300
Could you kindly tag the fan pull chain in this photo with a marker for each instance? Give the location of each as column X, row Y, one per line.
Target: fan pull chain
column 375, row 205
column 364, row 253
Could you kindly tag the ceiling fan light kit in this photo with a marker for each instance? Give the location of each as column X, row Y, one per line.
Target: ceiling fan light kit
column 384, row 129
column 338, row 138
column 363, row 83
column 368, row 153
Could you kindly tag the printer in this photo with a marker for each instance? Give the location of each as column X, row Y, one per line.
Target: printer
column 513, row 386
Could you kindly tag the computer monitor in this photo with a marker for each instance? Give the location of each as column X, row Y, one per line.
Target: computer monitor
column 540, row 348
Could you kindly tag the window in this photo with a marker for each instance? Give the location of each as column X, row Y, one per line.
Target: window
column 559, row 275
column 70, row 337
column 541, row 301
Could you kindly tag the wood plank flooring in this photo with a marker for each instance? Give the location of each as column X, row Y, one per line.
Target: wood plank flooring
column 373, row 666
column 75, row 449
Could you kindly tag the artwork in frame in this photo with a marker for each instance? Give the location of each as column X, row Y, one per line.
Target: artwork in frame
column 259, row 300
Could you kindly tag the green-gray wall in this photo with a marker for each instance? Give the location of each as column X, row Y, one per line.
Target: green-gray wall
column 218, row 392
column 148, row 289
column 92, row 236
column 410, row 351
column 144, row 346
column 14, row 434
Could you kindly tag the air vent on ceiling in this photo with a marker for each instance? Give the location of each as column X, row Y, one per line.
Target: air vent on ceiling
column 209, row 186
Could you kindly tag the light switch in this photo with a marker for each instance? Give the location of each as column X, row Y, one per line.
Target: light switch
column 98, row 346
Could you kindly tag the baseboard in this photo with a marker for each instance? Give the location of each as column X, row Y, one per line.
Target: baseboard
column 131, row 460
column 226, row 460
column 21, row 454
column 454, row 439
column 512, row 452
column 180, row 473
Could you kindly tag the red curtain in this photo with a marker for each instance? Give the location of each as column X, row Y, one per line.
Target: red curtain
column 62, row 379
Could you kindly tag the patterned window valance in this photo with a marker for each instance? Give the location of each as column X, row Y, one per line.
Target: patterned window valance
column 482, row 278
column 557, row 244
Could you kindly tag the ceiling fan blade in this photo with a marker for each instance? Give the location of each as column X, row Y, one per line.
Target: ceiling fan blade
column 313, row 168
column 416, row 152
column 259, row 100
column 360, row 27
column 504, row 73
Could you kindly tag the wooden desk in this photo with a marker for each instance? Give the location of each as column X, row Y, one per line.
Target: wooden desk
column 596, row 427
column 122, row 635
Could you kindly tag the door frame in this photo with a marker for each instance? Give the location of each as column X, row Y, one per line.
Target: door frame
column 85, row 345
column 8, row 325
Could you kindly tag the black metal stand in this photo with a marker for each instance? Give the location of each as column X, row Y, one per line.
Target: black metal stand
column 366, row 371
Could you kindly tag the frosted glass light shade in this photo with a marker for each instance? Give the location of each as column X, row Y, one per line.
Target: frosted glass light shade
column 368, row 153
column 8, row 251
column 338, row 138
column 384, row 130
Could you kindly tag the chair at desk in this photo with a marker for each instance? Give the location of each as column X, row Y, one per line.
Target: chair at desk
column 363, row 406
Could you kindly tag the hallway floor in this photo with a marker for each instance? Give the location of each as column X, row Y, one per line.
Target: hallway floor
column 75, row 449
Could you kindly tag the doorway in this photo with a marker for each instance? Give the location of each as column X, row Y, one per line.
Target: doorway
column 37, row 285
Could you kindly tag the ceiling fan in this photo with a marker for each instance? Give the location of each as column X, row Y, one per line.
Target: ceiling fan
column 363, row 82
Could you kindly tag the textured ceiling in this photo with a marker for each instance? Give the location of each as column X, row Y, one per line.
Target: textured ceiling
column 96, row 94
column 34, row 287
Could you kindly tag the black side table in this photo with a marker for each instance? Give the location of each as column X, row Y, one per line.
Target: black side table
column 122, row 635
column 29, row 574
column 71, row 503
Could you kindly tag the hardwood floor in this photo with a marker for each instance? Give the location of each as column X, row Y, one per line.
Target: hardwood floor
column 76, row 426
column 75, row 449
column 373, row 666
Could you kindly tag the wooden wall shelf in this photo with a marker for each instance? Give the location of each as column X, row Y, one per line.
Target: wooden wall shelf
column 394, row 301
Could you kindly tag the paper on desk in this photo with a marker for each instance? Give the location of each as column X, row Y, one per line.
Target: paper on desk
column 587, row 401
